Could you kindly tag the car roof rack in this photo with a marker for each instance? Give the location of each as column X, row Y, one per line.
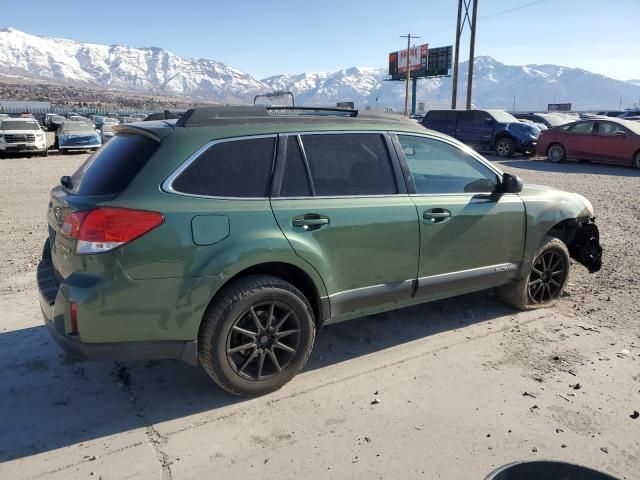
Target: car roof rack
column 209, row 116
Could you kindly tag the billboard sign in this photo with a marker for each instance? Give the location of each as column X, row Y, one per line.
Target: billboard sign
column 559, row 107
column 422, row 61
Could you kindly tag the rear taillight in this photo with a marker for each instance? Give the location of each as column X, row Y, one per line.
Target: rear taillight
column 104, row 229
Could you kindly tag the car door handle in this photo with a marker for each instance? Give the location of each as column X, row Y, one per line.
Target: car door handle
column 436, row 215
column 310, row 221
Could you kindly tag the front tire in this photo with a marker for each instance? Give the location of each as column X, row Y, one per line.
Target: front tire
column 505, row 147
column 556, row 153
column 256, row 335
column 545, row 281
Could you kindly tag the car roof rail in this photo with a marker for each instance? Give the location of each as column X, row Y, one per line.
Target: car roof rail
column 210, row 116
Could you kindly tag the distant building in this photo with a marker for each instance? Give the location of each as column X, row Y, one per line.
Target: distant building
column 18, row 106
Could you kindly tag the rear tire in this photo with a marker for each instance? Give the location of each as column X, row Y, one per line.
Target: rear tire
column 545, row 281
column 636, row 160
column 274, row 323
column 45, row 153
column 505, row 147
column 556, row 153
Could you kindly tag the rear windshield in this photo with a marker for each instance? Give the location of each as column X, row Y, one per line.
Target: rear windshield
column 502, row 117
column 111, row 169
column 77, row 127
column 13, row 125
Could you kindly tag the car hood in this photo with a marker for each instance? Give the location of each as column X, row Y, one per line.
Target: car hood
column 532, row 193
column 20, row 132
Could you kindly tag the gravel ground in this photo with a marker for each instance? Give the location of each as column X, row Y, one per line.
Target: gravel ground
column 450, row 389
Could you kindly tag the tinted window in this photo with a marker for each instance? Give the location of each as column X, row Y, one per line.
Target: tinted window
column 111, row 168
column 440, row 116
column 295, row 181
column 349, row 164
column 609, row 128
column 467, row 116
column 238, row 168
column 581, row 127
column 482, row 117
column 438, row 167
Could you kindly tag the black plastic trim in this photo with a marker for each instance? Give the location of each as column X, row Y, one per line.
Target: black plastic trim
column 187, row 351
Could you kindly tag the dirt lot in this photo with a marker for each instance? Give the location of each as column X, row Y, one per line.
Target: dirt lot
column 464, row 385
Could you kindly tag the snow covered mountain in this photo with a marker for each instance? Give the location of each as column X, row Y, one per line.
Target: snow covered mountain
column 495, row 85
column 156, row 71
column 149, row 70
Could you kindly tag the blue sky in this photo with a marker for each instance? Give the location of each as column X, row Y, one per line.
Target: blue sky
column 321, row 35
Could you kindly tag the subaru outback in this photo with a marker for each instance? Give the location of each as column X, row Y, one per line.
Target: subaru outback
column 229, row 237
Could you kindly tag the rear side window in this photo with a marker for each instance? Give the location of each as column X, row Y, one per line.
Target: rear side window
column 111, row 169
column 237, row 168
column 349, row 164
column 440, row 116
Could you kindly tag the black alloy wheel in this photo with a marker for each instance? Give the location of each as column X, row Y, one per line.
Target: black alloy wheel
column 547, row 277
column 263, row 340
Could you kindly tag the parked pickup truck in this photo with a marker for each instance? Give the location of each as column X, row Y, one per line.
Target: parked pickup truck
column 22, row 135
column 485, row 130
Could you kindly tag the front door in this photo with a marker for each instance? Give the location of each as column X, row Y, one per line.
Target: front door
column 342, row 204
column 471, row 238
column 578, row 140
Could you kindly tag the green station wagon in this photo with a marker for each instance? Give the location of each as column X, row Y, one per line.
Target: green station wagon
column 231, row 236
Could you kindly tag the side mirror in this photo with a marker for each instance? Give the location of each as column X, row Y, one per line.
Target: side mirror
column 511, row 183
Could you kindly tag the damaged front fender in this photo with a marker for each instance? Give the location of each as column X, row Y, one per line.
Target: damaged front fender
column 585, row 247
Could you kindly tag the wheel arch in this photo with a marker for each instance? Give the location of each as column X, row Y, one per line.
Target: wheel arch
column 312, row 288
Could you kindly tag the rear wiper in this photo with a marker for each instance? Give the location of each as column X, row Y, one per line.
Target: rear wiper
column 66, row 182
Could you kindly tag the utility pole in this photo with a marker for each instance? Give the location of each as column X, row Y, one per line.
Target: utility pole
column 406, row 89
column 460, row 24
column 471, row 53
column 454, row 87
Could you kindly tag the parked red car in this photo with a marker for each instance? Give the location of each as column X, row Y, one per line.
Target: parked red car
column 602, row 140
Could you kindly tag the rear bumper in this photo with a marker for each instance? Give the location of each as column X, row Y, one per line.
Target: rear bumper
column 124, row 351
column 54, row 305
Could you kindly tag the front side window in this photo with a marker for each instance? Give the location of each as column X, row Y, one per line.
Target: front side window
column 438, row 167
column 581, row 127
column 236, row 168
column 349, row 164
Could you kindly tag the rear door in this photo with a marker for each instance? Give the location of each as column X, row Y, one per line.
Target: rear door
column 475, row 128
column 471, row 237
column 340, row 200
column 613, row 143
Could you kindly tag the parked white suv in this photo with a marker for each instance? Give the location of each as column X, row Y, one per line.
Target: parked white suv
column 22, row 135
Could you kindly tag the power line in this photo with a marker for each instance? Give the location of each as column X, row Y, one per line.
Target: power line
column 491, row 15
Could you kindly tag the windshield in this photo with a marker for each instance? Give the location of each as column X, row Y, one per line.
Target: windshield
column 77, row 127
column 502, row 116
column 108, row 128
column 554, row 120
column 14, row 125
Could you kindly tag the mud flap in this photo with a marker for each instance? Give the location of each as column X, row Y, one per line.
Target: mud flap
column 586, row 248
